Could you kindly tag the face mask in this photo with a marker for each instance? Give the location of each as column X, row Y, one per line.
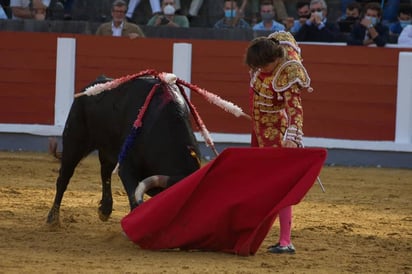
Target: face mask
column 169, row 10
column 230, row 13
column 320, row 14
column 305, row 16
column 266, row 16
column 404, row 23
column 374, row 20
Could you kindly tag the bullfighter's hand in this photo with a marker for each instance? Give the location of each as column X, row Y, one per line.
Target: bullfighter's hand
column 289, row 143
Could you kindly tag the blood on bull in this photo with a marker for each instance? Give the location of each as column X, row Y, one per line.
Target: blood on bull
column 141, row 122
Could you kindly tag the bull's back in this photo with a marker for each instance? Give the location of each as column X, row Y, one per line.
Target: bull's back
column 101, row 122
column 164, row 141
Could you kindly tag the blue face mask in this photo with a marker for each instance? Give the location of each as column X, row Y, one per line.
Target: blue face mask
column 230, row 13
column 374, row 20
column 267, row 16
column 404, row 23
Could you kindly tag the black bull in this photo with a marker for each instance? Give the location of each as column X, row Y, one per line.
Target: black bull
column 165, row 144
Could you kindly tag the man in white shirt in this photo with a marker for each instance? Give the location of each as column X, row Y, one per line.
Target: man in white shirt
column 405, row 38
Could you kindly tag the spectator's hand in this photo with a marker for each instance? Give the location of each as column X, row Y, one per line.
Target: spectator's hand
column 302, row 20
column 158, row 20
column 312, row 18
column 316, row 19
column 289, row 22
column 289, row 143
column 133, row 35
column 39, row 10
column 365, row 22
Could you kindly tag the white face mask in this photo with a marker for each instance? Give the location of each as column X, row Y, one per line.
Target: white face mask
column 169, row 10
column 374, row 20
column 320, row 14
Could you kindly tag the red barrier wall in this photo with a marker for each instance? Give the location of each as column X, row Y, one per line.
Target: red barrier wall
column 354, row 87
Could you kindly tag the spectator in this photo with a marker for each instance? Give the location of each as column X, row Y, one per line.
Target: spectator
column 352, row 15
column 404, row 19
column 389, row 11
column 370, row 30
column 267, row 13
column 254, row 9
column 154, row 4
column 119, row 25
column 389, row 8
column 26, row 9
column 231, row 18
column 278, row 6
column 3, row 14
column 61, row 10
column 67, row 5
column 317, row 28
column 194, row 8
column 4, row 9
column 353, row 10
column 303, row 11
column 168, row 18
column 405, row 38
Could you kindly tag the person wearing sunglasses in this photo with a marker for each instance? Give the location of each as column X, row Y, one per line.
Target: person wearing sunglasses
column 317, row 28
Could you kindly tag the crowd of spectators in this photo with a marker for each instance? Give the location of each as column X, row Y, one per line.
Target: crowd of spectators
column 361, row 22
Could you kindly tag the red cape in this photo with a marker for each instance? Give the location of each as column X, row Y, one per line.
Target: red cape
column 228, row 205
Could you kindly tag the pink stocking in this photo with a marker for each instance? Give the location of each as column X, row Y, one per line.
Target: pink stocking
column 285, row 222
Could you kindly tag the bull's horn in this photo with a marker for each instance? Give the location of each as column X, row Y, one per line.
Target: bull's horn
column 148, row 183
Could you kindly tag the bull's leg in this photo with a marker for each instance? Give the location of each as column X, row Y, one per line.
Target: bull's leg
column 68, row 164
column 129, row 178
column 106, row 203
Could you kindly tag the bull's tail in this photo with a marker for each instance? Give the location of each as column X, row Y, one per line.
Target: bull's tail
column 53, row 148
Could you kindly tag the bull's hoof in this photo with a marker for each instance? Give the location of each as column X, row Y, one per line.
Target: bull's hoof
column 53, row 219
column 103, row 217
column 105, row 210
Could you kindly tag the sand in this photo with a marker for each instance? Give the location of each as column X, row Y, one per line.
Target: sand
column 362, row 224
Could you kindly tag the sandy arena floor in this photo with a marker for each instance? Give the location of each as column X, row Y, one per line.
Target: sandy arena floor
column 362, row 224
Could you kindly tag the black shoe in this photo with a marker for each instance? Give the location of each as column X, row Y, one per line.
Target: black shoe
column 273, row 246
column 278, row 249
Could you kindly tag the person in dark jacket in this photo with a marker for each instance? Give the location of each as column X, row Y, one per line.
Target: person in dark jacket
column 317, row 28
column 404, row 19
column 370, row 30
